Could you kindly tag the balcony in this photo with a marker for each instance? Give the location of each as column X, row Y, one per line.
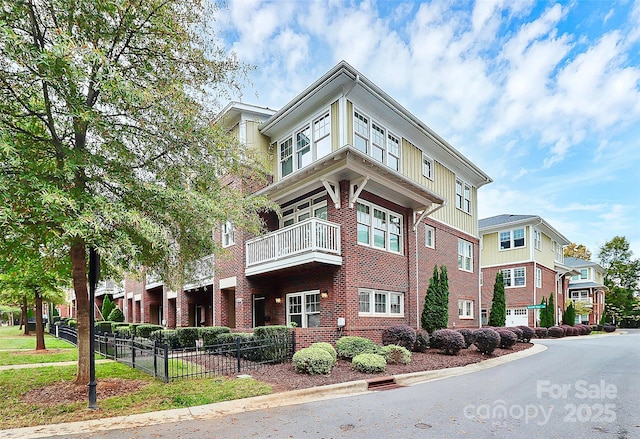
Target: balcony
column 312, row 240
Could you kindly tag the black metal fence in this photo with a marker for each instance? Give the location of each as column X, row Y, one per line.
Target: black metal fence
column 157, row 359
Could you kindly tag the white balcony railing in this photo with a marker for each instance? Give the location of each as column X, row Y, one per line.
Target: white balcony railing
column 312, row 235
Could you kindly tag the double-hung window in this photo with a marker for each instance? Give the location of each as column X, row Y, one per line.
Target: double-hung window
column 427, row 167
column 537, row 239
column 303, row 309
column 374, row 139
column 309, row 142
column 465, row 255
column 465, row 309
column 463, row 196
column 228, row 234
column 512, row 239
column 538, row 277
column 514, row 277
column 429, row 236
column 379, row 228
column 315, row 206
column 380, row 303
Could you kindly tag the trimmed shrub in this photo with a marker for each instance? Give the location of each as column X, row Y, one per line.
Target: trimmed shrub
column 186, row 336
column 422, row 341
column 121, row 329
column 556, row 332
column 232, row 336
column 527, row 333
column 369, row 363
column 133, row 328
column 583, row 329
column 116, row 315
column 394, row 354
column 313, row 361
column 487, row 340
column 468, row 336
column 72, row 323
column 507, row 338
column 271, row 331
column 107, row 307
column 542, row 332
column 400, row 335
column 210, row 334
column 348, row 347
column 145, row 330
column 104, row 326
column 327, row 347
column 448, row 341
column 166, row 336
column 517, row 331
column 609, row 328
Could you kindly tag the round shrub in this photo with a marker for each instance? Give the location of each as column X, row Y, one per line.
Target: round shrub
column 542, row 332
column 468, row 336
column 369, row 363
column 609, row 328
column 422, row 341
column 395, row 354
column 313, row 361
column 507, row 338
column 349, row 346
column 517, row 331
column 448, row 341
column 527, row 334
column 583, row 329
column 116, row 315
column 327, row 347
column 556, row 332
column 487, row 340
column 400, row 335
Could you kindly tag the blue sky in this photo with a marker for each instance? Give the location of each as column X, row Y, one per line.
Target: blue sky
column 543, row 96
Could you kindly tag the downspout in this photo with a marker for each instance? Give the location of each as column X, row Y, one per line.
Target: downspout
column 535, row 266
column 415, row 232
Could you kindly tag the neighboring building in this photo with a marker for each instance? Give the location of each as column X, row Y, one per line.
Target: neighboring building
column 530, row 254
column 586, row 290
column 371, row 199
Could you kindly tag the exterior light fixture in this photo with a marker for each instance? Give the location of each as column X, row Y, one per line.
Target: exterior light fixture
column 324, row 294
column 278, row 299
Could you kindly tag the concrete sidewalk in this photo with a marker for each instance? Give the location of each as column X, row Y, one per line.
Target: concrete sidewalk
column 282, row 399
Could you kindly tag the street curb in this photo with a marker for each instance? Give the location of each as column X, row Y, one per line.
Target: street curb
column 273, row 400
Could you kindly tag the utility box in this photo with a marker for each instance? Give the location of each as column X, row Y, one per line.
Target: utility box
column 341, row 322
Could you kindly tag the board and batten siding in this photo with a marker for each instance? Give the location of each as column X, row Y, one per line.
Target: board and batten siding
column 492, row 255
column 546, row 256
column 443, row 184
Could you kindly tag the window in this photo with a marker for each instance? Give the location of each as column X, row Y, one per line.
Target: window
column 315, row 206
column 303, row 309
column 463, row 196
column 465, row 309
column 380, row 303
column 427, row 166
column 512, row 239
column 465, row 255
column 484, row 316
column 538, row 277
column 429, row 236
column 373, row 139
column 379, row 228
column 481, row 278
column 537, row 239
column 228, row 234
column 514, row 277
column 310, row 142
column 583, row 273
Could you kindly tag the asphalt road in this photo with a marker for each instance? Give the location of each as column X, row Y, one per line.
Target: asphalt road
column 580, row 387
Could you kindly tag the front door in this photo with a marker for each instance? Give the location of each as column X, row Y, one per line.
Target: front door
column 258, row 311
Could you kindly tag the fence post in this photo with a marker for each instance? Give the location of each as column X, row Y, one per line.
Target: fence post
column 133, row 353
column 115, row 347
column 166, row 363
column 238, row 352
column 155, row 358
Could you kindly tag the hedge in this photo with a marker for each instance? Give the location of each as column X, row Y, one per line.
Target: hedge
column 327, row 347
column 145, row 330
column 271, row 331
column 527, row 334
column 542, row 332
column 187, row 336
column 313, row 361
column 467, row 334
column 556, row 332
column 211, row 334
column 369, row 363
column 507, row 338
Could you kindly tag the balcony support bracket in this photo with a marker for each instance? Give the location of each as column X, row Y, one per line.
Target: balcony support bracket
column 333, row 191
column 355, row 188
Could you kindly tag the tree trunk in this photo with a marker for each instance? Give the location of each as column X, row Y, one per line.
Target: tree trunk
column 25, row 318
column 39, row 326
column 79, row 269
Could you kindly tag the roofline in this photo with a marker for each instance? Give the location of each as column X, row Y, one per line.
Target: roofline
column 345, row 68
column 526, row 221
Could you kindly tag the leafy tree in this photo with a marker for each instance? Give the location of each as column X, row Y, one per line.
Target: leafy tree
column 107, row 307
column 579, row 251
column 569, row 314
column 435, row 313
column 622, row 270
column 109, row 137
column 498, row 313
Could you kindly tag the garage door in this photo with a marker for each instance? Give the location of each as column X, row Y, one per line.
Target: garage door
column 517, row 317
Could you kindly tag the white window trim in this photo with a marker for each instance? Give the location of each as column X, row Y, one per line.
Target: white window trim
column 369, row 140
column 513, row 278
column 538, row 277
column 313, row 141
column 372, row 313
column 537, row 239
column 462, row 202
column 428, row 229
column 228, row 234
column 467, row 245
column 313, row 202
column 305, row 314
column 387, row 212
column 427, row 173
column 512, row 240
column 467, row 311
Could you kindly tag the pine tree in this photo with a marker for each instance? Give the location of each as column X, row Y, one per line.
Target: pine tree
column 569, row 315
column 442, row 306
column 544, row 314
column 107, row 307
column 430, row 300
column 551, row 312
column 498, row 314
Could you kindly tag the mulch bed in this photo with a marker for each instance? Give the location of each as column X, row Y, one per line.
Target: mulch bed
column 65, row 392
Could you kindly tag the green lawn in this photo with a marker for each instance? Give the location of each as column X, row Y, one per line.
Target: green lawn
column 156, row 395
column 11, row 338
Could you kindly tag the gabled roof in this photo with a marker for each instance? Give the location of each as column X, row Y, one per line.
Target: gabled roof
column 577, row 262
column 495, row 223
